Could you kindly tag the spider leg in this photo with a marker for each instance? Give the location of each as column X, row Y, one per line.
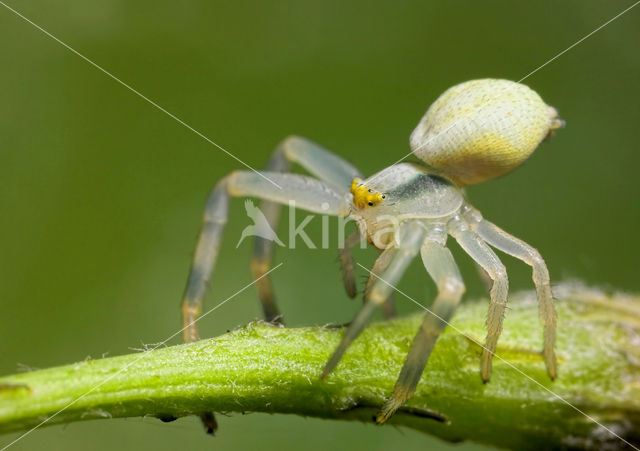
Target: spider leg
column 484, row 277
column 326, row 166
column 347, row 264
column 443, row 270
column 511, row 245
column 411, row 236
column 308, row 193
column 381, row 263
column 485, row 257
column 388, row 309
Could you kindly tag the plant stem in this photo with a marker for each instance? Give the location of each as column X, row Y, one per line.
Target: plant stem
column 264, row 368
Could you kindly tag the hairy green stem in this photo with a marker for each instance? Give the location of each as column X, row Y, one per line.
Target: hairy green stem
column 264, row 368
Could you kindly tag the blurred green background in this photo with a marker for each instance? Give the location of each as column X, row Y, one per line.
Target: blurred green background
column 101, row 194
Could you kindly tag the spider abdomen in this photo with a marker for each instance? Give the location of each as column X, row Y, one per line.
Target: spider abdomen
column 482, row 129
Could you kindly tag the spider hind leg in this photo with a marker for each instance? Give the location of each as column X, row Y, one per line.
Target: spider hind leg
column 489, row 261
column 517, row 248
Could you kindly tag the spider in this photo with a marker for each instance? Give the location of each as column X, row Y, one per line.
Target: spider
column 475, row 131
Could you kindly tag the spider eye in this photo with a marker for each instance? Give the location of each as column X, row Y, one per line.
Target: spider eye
column 371, row 191
column 371, row 204
column 384, row 197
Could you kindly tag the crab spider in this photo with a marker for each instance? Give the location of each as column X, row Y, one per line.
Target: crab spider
column 426, row 203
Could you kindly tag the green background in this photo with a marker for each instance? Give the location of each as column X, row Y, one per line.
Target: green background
column 101, row 194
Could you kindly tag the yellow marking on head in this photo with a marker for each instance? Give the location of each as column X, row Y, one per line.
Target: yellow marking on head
column 363, row 196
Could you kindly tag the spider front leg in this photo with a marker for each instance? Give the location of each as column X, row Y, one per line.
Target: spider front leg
column 347, row 264
column 348, row 267
column 411, row 237
column 485, row 257
column 320, row 162
column 511, row 245
column 388, row 308
column 307, row 193
column 443, row 270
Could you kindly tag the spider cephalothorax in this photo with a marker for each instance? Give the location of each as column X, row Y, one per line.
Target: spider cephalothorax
column 475, row 131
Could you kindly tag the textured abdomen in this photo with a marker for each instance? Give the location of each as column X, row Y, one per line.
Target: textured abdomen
column 482, row 129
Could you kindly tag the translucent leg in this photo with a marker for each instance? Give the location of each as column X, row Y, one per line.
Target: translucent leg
column 443, row 270
column 215, row 217
column 308, row 193
column 411, row 238
column 347, row 264
column 379, row 267
column 511, row 245
column 318, row 161
column 484, row 277
column 490, row 262
column 388, row 308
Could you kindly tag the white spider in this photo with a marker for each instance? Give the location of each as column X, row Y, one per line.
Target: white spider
column 475, row 131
